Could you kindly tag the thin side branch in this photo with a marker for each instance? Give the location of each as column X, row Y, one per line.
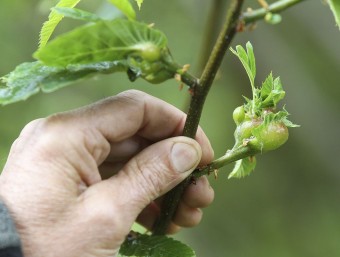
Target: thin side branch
column 230, row 157
column 276, row 7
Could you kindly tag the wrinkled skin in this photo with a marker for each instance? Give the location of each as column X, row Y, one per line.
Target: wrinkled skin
column 75, row 182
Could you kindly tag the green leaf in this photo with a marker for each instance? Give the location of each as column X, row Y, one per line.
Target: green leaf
column 139, row 3
column 154, row 246
column 29, row 78
column 251, row 58
column 102, row 47
column 102, row 41
column 335, row 7
column 53, row 20
column 271, row 92
column 125, row 7
column 76, row 14
column 247, row 59
column 23, row 82
column 243, row 167
column 75, row 73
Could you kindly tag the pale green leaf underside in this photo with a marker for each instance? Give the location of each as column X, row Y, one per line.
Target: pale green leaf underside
column 335, row 7
column 76, row 14
column 155, row 246
column 30, row 78
column 53, row 20
column 243, row 167
column 102, row 41
column 125, row 7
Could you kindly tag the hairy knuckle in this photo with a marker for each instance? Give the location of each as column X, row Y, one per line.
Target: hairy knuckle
column 132, row 94
column 31, row 127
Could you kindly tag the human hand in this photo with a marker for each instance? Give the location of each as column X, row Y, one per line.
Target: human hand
column 75, row 182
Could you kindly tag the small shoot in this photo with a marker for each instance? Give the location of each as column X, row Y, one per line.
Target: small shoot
column 259, row 126
column 248, row 61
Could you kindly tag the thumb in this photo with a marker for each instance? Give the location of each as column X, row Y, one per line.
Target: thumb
column 158, row 169
column 148, row 175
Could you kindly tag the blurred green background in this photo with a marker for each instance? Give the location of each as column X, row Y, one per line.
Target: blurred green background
column 290, row 205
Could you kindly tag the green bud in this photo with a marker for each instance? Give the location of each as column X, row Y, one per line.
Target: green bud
column 239, row 115
column 244, row 130
column 149, row 52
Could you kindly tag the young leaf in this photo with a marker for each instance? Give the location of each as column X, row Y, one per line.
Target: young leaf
column 271, row 92
column 103, row 41
column 243, row 167
column 154, row 246
column 247, row 59
column 76, row 14
column 53, row 20
column 125, row 7
column 139, row 3
column 335, row 7
column 251, row 57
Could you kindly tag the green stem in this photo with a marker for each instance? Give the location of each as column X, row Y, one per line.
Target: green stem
column 186, row 77
column 276, row 7
column 199, row 94
column 230, row 156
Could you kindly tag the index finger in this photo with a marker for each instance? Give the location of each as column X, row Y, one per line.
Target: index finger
column 134, row 112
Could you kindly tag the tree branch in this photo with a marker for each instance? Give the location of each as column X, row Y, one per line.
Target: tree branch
column 276, row 7
column 200, row 92
column 212, row 29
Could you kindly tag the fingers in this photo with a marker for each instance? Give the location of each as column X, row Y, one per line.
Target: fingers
column 187, row 216
column 189, row 213
column 91, row 134
column 135, row 113
column 196, row 196
column 129, row 113
column 199, row 194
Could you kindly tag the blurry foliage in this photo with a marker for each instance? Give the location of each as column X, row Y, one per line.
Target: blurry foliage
column 290, row 206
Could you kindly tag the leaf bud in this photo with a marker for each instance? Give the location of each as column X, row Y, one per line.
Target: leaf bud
column 239, row 115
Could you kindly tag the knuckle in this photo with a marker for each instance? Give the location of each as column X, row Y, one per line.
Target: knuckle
column 31, row 127
column 132, row 97
column 132, row 94
column 39, row 135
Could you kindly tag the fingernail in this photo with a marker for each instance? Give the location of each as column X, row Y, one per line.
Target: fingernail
column 184, row 157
